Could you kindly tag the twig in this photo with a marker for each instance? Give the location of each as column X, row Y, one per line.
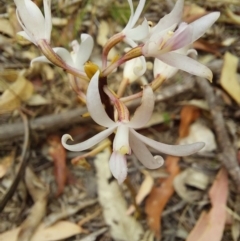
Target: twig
column 45, row 123
column 23, row 162
column 228, row 154
column 56, row 121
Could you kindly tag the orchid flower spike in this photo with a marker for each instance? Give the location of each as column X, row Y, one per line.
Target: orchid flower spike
column 126, row 139
column 36, row 26
column 78, row 57
column 163, row 41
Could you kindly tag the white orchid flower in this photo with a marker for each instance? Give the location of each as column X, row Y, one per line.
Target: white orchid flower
column 163, row 45
column 140, row 32
column 126, row 138
column 163, row 69
column 78, row 57
column 36, row 26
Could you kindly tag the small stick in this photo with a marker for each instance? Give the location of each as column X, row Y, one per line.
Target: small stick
column 228, row 154
column 23, row 162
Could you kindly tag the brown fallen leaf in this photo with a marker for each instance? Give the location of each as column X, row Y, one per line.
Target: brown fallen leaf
column 6, row 162
column 58, row 154
column 39, row 192
column 229, row 80
column 189, row 114
column 143, row 191
column 21, row 90
column 207, row 47
column 192, row 12
column 210, row 226
column 58, row 231
column 160, row 195
column 232, row 16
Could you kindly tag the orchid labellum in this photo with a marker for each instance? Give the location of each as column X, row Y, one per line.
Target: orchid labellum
column 126, row 138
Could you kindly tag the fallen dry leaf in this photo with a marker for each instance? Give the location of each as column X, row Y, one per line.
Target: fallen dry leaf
column 232, row 16
column 160, row 195
column 200, row 133
column 143, row 191
column 207, row 47
column 6, row 162
column 122, row 227
column 58, row 231
column 210, row 226
column 6, row 27
column 229, row 80
column 189, row 114
column 39, row 192
column 21, row 90
column 58, row 154
column 190, row 178
column 192, row 12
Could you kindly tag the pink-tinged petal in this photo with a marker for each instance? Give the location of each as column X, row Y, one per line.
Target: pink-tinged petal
column 138, row 33
column 201, row 25
column 121, row 140
column 187, row 64
column 174, row 150
column 160, row 68
column 144, row 112
column 84, row 50
column 137, row 12
column 94, row 104
column 143, row 154
column 118, row 166
column 174, row 17
column 181, row 38
column 48, row 19
column 88, row 143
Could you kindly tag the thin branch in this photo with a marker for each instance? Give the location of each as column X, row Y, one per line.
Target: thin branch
column 23, row 162
column 228, row 154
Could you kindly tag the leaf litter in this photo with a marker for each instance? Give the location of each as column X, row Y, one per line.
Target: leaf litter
column 46, row 91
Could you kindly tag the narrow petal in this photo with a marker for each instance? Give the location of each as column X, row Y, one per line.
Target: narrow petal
column 143, row 154
column 174, row 17
column 144, row 112
column 181, row 38
column 138, row 33
column 84, row 50
column 118, row 166
column 40, row 59
column 31, row 17
column 25, row 35
column 160, row 68
column 48, row 19
column 63, row 53
column 88, row 143
column 94, row 104
column 175, row 150
column 129, row 24
column 201, row 25
column 137, row 12
column 187, row 64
